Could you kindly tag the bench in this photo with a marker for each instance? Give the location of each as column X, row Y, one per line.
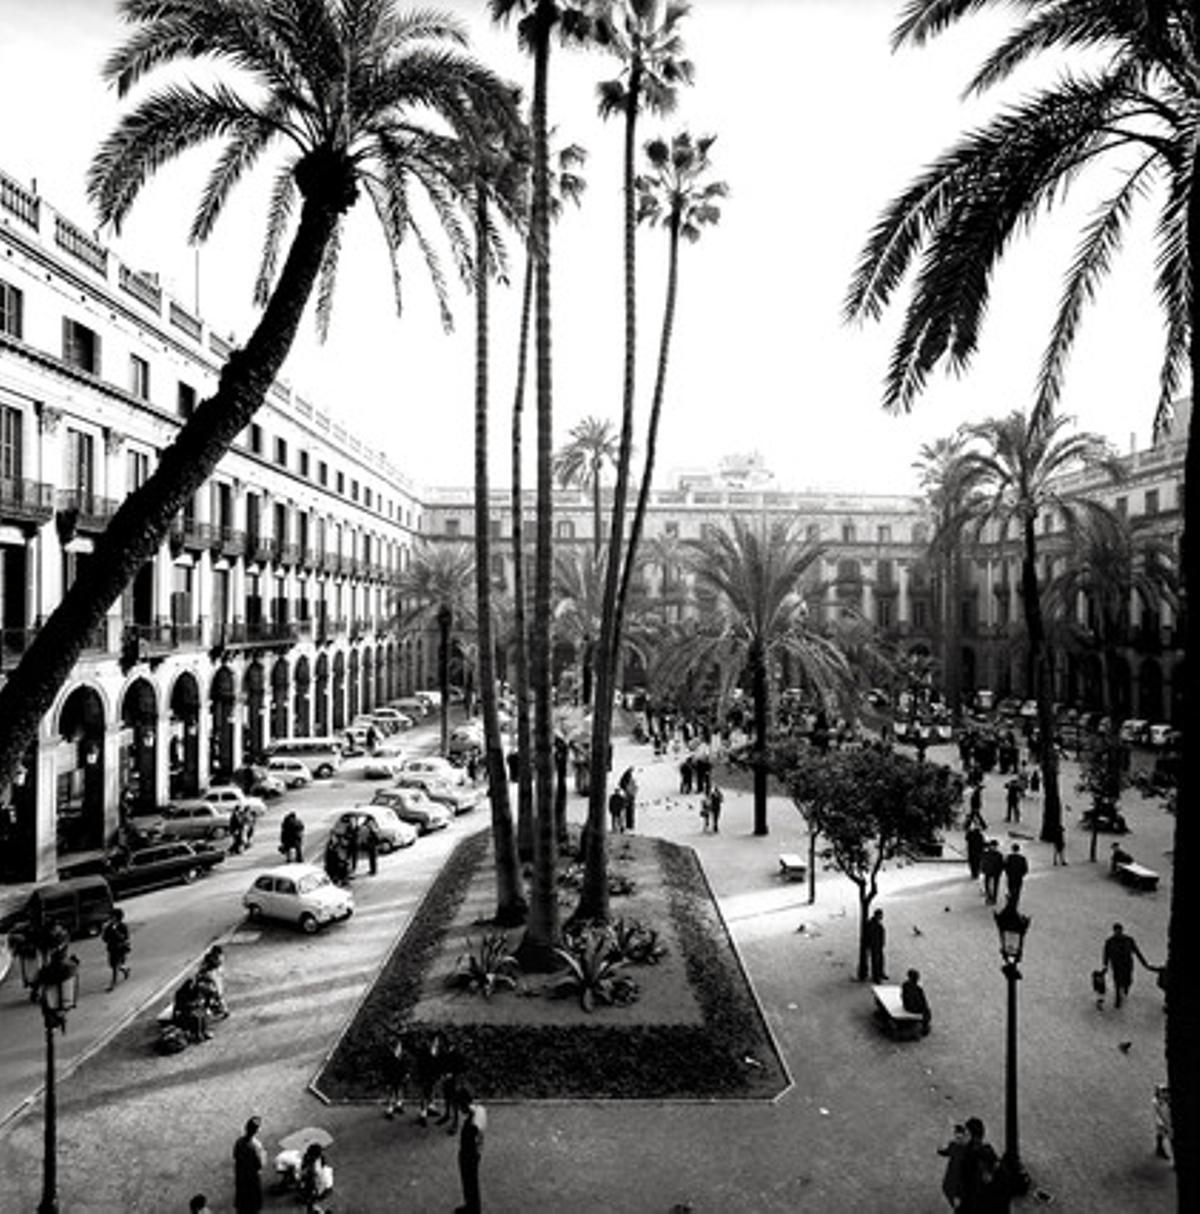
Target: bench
column 792, row 867
column 890, row 1012
column 1139, row 876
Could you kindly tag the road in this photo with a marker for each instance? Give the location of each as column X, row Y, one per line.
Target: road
column 170, row 929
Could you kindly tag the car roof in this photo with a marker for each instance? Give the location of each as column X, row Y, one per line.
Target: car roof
column 289, row 870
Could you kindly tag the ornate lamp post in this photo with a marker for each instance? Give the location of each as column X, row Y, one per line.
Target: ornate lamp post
column 58, row 983
column 1012, row 926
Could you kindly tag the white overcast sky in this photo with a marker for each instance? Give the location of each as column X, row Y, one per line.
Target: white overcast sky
column 818, row 124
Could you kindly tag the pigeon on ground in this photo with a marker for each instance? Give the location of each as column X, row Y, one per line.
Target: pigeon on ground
column 1124, row 1046
column 917, row 931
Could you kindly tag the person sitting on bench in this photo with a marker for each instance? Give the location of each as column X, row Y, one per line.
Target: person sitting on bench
column 1119, row 856
column 912, row 999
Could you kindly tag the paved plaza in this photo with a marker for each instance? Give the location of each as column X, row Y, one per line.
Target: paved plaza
column 858, row 1130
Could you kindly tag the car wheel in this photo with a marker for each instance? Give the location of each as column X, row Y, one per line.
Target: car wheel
column 189, row 875
column 218, row 832
column 308, row 924
column 254, row 911
column 324, row 771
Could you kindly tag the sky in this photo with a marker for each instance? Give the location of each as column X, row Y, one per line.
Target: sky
column 818, row 125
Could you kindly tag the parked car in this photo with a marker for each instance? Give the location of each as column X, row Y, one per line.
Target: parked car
column 298, row 893
column 294, row 773
column 1163, row 736
column 194, row 820
column 456, row 798
column 256, row 780
column 160, row 864
column 413, row 806
column 227, row 796
column 431, row 696
column 382, row 767
column 1134, row 730
column 79, row 904
column 434, row 765
column 464, row 741
column 411, row 706
column 393, row 832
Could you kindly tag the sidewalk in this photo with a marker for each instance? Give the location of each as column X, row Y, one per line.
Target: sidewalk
column 858, row 1132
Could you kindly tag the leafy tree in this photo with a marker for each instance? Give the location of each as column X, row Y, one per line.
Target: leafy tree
column 1133, row 108
column 360, row 96
column 590, row 446
column 871, row 805
column 644, row 36
column 539, row 21
column 1104, row 776
column 1014, row 474
column 437, row 589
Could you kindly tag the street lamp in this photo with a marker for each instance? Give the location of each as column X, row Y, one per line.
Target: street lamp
column 1012, row 926
column 58, row 982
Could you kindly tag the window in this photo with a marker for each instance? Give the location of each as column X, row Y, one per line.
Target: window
column 498, row 571
column 812, row 531
column 224, row 506
column 1151, row 501
column 353, row 490
column 139, row 377
column 256, row 438
column 883, row 612
column 137, row 469
column 921, row 615
column 341, row 482
column 884, row 534
column 281, row 524
column 281, row 452
column 494, row 528
column 847, row 533
column 453, row 527
column 81, row 466
column 304, row 463
column 885, row 577
column 185, row 400
column 921, row 533
column 1122, row 507
column 564, row 529
column 81, row 347
column 671, row 530
column 322, row 473
column 12, row 310
column 10, row 443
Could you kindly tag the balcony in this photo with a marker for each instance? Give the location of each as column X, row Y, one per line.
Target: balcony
column 330, row 562
column 260, row 548
column 187, row 535
column 25, row 501
column 18, row 201
column 289, row 555
column 78, row 511
column 159, row 639
column 80, row 245
column 230, row 542
column 249, row 634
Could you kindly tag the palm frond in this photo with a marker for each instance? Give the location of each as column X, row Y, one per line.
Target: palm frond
column 279, row 212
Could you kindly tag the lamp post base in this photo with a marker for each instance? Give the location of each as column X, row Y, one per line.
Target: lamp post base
column 1014, row 1179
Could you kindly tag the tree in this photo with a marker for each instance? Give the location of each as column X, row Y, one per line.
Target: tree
column 346, row 91
column 644, row 36
column 437, row 589
column 1133, row 109
column 591, row 445
column 534, row 30
column 564, row 185
column 871, row 805
column 497, row 182
column 1014, row 474
column 578, row 591
column 750, row 579
column 1104, row 776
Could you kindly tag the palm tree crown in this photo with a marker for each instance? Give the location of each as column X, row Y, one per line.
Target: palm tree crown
column 591, row 445
column 673, row 193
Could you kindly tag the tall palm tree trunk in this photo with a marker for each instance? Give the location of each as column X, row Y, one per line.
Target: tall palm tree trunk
column 1040, row 656
column 445, row 622
column 660, row 384
column 597, row 513
column 1183, row 940
column 511, row 907
column 760, row 694
column 521, row 641
column 593, row 900
column 143, row 519
column 536, row 950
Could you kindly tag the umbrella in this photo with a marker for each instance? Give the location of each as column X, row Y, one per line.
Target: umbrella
column 297, row 1140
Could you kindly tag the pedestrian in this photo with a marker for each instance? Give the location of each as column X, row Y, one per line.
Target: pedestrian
column 876, row 938
column 1060, row 845
column 629, row 787
column 372, row 739
column 211, row 979
column 974, row 840
column 686, row 770
column 975, row 814
column 716, row 799
column 291, row 838
column 1015, row 868
column 513, row 762
column 397, row 1070
column 115, row 935
column 454, row 1065
column 953, row 1153
column 316, row 1178
column 237, row 830
column 470, row 1150
column 913, row 999
column 1119, row 856
column 199, row 1205
column 473, row 766
column 1118, row 955
column 616, row 811
column 979, row 1183
column 249, row 1158
column 1012, row 801
column 704, row 811
column 370, row 833
column 703, row 769
column 991, row 864
column 350, row 845
column 430, row 1058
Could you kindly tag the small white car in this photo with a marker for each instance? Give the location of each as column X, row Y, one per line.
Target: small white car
column 411, row 805
column 436, row 766
column 298, row 893
column 293, row 772
column 228, row 795
column 392, row 832
column 456, row 798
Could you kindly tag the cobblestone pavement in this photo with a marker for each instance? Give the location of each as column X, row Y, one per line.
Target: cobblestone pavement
column 858, row 1131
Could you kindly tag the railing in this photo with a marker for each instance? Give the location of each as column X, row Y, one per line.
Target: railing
column 140, row 287
column 331, row 562
column 263, row 548
column 289, row 555
column 231, row 541
column 219, row 346
column 88, row 512
column 164, row 636
column 191, row 535
column 184, row 320
column 80, row 245
column 254, row 632
column 19, row 201
column 24, row 499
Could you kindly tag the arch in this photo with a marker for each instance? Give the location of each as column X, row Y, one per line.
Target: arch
column 301, row 700
column 352, row 700
column 1150, row 690
column 368, row 679
column 339, row 692
column 79, row 772
column 222, row 697
column 381, row 676
column 184, row 746
column 280, row 691
column 1122, row 686
column 139, row 749
column 253, row 689
column 321, row 715
column 1178, row 677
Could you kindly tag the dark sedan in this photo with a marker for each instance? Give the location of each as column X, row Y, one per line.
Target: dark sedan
column 160, row 864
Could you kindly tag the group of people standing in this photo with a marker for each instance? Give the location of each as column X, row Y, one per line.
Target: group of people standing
column 350, row 842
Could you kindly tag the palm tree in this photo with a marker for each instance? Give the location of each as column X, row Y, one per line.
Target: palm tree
column 436, row 590
column 591, row 444
column 644, row 35
column 1108, row 568
column 345, row 92
column 541, row 18
column 1134, row 109
column 498, row 180
column 565, row 185
column 752, row 579
column 1012, row 477
column 578, row 592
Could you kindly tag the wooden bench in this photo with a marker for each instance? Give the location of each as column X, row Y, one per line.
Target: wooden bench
column 792, row 867
column 890, row 1012
column 1139, row 876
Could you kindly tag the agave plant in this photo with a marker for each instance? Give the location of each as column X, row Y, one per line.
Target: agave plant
column 637, row 943
column 593, row 969
column 486, row 967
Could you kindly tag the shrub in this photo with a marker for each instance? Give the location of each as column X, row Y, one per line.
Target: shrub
column 484, row 969
column 637, row 943
column 593, row 969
